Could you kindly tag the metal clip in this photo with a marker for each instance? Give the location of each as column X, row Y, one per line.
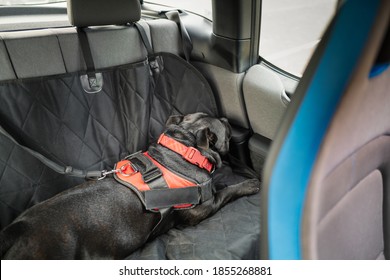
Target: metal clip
column 105, row 173
column 122, row 170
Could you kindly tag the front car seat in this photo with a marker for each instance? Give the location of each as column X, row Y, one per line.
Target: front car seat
column 327, row 178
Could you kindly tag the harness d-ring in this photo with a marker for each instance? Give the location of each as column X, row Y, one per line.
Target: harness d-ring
column 123, row 168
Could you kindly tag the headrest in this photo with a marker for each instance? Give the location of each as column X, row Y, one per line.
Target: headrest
column 84, row 13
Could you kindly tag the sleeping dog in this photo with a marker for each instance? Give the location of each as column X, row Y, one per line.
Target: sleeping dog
column 105, row 220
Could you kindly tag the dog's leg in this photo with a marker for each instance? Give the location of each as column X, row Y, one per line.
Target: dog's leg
column 220, row 199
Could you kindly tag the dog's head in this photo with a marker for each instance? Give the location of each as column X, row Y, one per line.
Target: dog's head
column 210, row 133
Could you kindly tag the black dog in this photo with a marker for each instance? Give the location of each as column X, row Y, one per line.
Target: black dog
column 105, row 220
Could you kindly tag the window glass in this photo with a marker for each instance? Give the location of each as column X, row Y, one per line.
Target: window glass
column 290, row 31
column 26, row 2
column 201, row 7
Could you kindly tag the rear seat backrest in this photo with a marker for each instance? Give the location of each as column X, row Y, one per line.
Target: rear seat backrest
column 30, row 51
column 165, row 36
column 6, row 72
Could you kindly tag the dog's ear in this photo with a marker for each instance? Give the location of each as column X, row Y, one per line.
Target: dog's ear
column 202, row 140
column 191, row 118
column 174, row 119
column 205, row 138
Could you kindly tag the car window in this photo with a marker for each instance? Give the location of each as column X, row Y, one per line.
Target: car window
column 26, row 2
column 201, row 7
column 290, row 30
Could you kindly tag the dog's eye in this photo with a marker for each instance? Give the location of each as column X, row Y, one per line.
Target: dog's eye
column 213, row 139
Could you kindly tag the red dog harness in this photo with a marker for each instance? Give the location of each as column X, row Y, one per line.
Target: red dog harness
column 159, row 187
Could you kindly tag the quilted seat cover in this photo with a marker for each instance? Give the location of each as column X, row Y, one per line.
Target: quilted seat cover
column 54, row 116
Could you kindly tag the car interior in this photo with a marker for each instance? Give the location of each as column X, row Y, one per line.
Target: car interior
column 85, row 84
column 338, row 193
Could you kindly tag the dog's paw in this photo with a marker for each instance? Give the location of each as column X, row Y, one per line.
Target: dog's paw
column 251, row 186
column 247, row 187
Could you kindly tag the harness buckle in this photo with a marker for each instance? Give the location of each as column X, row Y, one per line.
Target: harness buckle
column 151, row 175
column 193, row 156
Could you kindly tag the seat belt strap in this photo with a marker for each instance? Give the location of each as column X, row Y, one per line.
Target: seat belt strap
column 144, row 38
column 185, row 37
column 61, row 169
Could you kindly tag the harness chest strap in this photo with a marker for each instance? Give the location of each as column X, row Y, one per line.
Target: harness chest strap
column 176, row 191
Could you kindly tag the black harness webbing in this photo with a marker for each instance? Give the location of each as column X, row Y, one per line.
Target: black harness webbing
column 151, row 174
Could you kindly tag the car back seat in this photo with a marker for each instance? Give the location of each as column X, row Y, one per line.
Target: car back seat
column 44, row 106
